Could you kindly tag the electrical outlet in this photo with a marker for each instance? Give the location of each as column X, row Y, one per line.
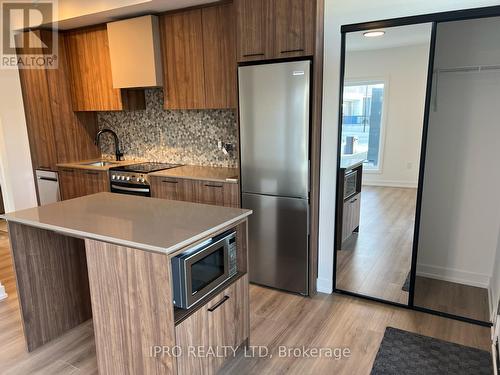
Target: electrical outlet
column 219, row 145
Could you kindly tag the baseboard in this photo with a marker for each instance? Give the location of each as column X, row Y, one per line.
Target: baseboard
column 324, row 285
column 389, row 183
column 454, row 275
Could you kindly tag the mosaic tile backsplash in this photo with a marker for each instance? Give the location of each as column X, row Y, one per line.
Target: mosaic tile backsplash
column 180, row 136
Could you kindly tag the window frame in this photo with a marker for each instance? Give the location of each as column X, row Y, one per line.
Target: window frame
column 373, row 80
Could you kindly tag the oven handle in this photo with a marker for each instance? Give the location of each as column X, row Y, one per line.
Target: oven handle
column 140, row 190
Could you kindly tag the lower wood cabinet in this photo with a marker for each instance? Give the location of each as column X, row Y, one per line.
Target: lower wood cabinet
column 74, row 183
column 221, row 323
column 351, row 215
column 198, row 191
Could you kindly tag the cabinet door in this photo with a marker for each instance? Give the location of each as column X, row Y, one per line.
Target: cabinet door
column 210, row 192
column 69, row 184
column 193, row 332
column 254, row 34
column 92, row 182
column 182, row 48
column 294, row 28
column 219, row 56
column 36, row 99
column 90, row 73
column 167, row 188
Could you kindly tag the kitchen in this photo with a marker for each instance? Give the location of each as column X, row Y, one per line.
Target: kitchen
column 151, row 106
column 175, row 155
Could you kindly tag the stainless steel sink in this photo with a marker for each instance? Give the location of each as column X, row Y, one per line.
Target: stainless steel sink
column 100, row 163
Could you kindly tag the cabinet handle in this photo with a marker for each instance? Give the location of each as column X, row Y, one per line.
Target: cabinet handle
column 354, row 200
column 293, row 50
column 214, row 186
column 218, row 304
column 170, row 182
column 48, row 179
column 68, row 170
column 92, row 173
column 252, row 54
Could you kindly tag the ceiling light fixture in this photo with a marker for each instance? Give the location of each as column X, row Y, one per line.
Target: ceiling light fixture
column 373, row 34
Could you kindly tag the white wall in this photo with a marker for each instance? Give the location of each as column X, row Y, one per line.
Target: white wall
column 495, row 282
column 16, row 176
column 337, row 13
column 404, row 69
column 461, row 200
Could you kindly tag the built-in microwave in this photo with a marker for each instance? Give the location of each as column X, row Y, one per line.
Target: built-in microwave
column 199, row 270
column 350, row 184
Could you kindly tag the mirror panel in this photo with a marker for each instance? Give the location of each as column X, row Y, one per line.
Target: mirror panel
column 460, row 218
column 384, row 91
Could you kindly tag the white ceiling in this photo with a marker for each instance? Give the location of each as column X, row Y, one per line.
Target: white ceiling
column 78, row 13
column 394, row 37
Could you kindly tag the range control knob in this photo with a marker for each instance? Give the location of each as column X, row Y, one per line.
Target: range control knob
column 138, row 179
column 122, row 178
column 143, row 180
column 113, row 177
column 128, row 178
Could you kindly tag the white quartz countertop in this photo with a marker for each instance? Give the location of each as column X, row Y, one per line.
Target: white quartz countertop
column 151, row 224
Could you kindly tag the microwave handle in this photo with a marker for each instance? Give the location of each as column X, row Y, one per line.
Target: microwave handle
column 218, row 304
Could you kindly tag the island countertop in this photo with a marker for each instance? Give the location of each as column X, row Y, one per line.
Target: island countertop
column 157, row 225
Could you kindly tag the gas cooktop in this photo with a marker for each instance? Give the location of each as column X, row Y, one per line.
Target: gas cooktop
column 145, row 167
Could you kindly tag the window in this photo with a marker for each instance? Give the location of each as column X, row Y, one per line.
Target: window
column 362, row 122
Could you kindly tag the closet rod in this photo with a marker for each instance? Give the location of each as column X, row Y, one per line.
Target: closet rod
column 468, row 69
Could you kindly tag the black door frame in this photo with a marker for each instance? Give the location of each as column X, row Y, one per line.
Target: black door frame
column 434, row 19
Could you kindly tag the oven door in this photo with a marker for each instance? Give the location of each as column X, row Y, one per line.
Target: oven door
column 121, row 188
column 205, row 270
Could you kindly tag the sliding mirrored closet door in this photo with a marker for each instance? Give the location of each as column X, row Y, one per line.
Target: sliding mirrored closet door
column 460, row 214
column 383, row 102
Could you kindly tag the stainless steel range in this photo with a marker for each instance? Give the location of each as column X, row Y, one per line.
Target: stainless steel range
column 133, row 179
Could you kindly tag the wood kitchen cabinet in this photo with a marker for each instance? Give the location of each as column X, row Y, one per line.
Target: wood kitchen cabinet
column 273, row 29
column 90, row 73
column 197, row 191
column 222, row 322
column 75, row 183
column 199, row 56
column 56, row 134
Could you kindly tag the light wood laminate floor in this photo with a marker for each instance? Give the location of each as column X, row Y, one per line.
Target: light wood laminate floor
column 376, row 261
column 277, row 319
column 452, row 298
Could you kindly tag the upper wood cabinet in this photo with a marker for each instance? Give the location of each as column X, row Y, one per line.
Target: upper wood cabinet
column 182, row 47
column 294, row 27
column 219, row 56
column 90, row 73
column 254, row 29
column 199, row 56
column 273, row 29
column 56, row 134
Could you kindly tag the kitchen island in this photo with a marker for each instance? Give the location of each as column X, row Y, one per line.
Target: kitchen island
column 108, row 257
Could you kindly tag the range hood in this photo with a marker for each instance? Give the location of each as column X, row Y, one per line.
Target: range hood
column 134, row 48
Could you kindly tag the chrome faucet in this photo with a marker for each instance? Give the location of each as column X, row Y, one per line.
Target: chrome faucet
column 118, row 153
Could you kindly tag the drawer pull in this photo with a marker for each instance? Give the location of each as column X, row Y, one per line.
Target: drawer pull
column 218, row 304
column 293, row 50
column 354, row 200
column 92, row 173
column 68, row 170
column 212, row 185
column 170, row 182
column 252, row 54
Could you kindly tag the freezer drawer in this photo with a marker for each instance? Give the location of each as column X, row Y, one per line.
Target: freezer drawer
column 278, row 241
column 274, row 128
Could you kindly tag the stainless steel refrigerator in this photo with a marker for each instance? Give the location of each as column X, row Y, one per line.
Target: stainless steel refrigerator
column 274, row 133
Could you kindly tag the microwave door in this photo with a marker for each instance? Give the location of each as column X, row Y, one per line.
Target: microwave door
column 205, row 271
